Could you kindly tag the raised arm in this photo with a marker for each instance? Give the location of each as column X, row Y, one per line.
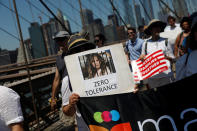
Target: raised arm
column 55, row 86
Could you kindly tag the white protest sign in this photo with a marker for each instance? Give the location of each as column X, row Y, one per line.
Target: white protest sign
column 153, row 64
column 101, row 71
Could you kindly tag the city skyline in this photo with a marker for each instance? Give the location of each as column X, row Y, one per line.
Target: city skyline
column 102, row 10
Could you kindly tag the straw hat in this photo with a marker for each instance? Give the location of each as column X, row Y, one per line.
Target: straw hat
column 153, row 23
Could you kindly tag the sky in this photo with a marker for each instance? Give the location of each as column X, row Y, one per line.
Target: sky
column 70, row 8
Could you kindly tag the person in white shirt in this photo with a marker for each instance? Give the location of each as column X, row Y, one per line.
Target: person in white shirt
column 158, row 43
column 171, row 31
column 187, row 64
column 173, row 26
column 11, row 117
column 76, row 44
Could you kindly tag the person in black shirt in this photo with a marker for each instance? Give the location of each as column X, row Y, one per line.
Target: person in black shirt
column 61, row 38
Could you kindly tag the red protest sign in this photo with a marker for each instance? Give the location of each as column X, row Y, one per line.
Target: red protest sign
column 153, row 64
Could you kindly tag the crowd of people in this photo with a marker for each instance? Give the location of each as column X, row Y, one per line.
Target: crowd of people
column 139, row 44
column 174, row 40
column 180, row 49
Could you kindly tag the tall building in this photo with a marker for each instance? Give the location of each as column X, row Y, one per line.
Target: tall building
column 129, row 19
column 61, row 18
column 90, row 29
column 121, row 33
column 113, row 20
column 13, row 55
column 138, row 15
column 47, row 34
column 110, row 33
column 180, row 7
column 98, row 26
column 37, row 40
column 8, row 56
column 87, row 16
column 28, row 52
column 149, row 10
column 52, row 30
column 4, row 57
column 67, row 24
column 163, row 15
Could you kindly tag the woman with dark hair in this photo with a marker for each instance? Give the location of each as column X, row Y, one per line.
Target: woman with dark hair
column 187, row 64
column 97, row 66
column 186, row 27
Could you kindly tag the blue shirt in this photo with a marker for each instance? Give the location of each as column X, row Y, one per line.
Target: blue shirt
column 134, row 48
column 184, row 45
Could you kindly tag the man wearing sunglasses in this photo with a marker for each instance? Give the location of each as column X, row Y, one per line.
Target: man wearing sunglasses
column 99, row 40
column 133, row 46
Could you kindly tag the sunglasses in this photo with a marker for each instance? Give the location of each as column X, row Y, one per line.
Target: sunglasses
column 80, row 49
column 96, row 41
column 60, row 39
column 130, row 33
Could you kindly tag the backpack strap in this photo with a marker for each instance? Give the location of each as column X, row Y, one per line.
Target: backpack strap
column 166, row 42
column 127, row 46
column 180, row 39
column 69, row 84
column 187, row 59
column 146, row 47
column 146, row 44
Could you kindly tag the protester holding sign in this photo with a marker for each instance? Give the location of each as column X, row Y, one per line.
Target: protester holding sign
column 158, row 43
column 76, row 44
column 133, row 49
column 153, row 64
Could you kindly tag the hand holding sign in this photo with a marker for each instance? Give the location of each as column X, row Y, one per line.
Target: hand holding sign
column 149, row 65
column 98, row 72
column 73, row 99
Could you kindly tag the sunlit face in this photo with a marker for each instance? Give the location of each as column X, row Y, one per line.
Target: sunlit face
column 185, row 26
column 171, row 22
column 131, row 34
column 96, row 62
column 98, row 42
